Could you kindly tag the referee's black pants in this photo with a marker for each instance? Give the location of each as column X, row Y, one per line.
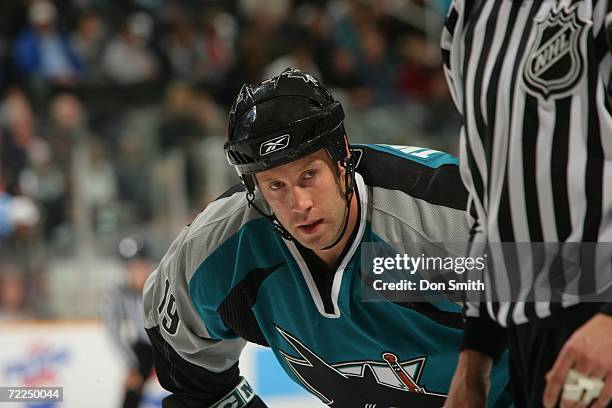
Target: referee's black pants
column 534, row 347
column 144, row 355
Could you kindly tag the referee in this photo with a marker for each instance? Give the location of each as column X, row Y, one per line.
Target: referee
column 532, row 80
column 123, row 316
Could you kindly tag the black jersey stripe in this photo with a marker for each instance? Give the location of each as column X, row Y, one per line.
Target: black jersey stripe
column 451, row 20
column 446, row 58
column 531, row 127
column 440, row 186
column 232, row 190
column 593, row 185
column 602, row 43
column 529, row 141
column 236, row 309
column 595, row 164
column 475, row 172
column 481, row 126
column 560, row 156
column 506, row 232
column 477, row 177
column 530, row 130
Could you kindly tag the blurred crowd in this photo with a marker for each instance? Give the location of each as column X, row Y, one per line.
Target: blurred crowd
column 108, row 107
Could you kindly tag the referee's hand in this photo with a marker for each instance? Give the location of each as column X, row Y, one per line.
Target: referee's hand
column 134, row 381
column 471, row 381
column 587, row 351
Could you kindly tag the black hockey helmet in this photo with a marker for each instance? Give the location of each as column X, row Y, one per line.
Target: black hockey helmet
column 283, row 119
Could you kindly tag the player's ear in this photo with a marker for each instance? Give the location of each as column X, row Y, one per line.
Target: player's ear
column 340, row 170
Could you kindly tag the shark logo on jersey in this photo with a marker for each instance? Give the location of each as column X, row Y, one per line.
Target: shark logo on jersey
column 387, row 382
column 555, row 64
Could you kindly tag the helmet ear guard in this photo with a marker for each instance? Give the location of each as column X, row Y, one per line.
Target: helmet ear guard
column 249, row 182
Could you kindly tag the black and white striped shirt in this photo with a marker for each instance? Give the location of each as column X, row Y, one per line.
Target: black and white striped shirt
column 532, row 80
column 123, row 315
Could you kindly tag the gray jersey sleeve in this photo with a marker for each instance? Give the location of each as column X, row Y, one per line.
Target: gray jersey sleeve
column 168, row 305
column 197, row 368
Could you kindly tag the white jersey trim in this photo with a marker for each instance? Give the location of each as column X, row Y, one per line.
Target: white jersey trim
column 362, row 193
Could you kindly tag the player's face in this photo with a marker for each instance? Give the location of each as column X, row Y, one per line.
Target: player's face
column 307, row 199
column 138, row 271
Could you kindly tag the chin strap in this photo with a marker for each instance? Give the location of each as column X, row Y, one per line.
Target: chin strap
column 270, row 217
column 349, row 185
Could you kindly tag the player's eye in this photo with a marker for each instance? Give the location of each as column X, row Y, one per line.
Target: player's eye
column 275, row 186
column 309, row 174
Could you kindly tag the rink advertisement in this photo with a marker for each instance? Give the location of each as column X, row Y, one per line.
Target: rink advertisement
column 78, row 358
column 74, row 356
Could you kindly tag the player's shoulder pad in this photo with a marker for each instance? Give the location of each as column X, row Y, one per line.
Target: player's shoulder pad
column 422, row 173
column 422, row 155
column 218, row 222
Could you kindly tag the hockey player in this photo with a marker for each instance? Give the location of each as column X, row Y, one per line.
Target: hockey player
column 276, row 261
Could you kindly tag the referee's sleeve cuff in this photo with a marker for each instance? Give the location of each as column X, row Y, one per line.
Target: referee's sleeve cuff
column 485, row 336
column 607, row 308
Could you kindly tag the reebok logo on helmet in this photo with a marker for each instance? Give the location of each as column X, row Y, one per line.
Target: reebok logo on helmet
column 274, row 145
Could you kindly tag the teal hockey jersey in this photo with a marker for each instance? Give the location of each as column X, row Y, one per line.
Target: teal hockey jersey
column 228, row 278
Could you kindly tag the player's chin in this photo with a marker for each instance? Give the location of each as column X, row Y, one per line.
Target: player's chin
column 312, row 241
column 308, row 242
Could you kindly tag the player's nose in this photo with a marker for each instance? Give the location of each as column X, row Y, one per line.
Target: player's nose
column 301, row 200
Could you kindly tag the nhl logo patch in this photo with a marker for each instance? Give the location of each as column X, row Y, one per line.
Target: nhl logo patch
column 555, row 62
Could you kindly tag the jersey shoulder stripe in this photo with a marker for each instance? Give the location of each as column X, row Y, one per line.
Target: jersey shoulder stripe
column 251, row 248
column 422, row 155
column 422, row 173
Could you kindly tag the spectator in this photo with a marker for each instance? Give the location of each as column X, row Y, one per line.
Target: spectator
column 215, row 55
column 23, row 216
column 99, row 185
column 88, row 42
column 68, row 126
column 12, row 293
column 134, row 178
column 45, row 183
column 44, row 51
column 188, row 118
column 343, row 74
column 17, row 134
column 418, row 74
column 127, row 58
column 71, row 140
column 375, row 65
column 349, row 20
column 299, row 56
column 316, row 23
column 261, row 40
column 181, row 48
column 6, row 228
